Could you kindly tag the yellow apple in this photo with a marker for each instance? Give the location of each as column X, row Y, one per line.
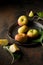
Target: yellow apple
column 4, row 42
column 21, row 37
column 31, row 14
column 23, row 29
column 22, row 20
column 32, row 33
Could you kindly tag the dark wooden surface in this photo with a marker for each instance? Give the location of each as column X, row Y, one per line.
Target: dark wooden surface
column 8, row 16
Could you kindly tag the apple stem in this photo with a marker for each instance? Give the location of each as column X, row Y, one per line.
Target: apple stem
column 31, row 30
column 22, row 19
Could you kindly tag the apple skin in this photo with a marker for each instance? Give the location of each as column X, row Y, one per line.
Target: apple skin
column 32, row 33
column 23, row 29
column 21, row 38
column 22, row 20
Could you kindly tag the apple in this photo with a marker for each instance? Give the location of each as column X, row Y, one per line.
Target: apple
column 21, row 38
column 23, row 29
column 32, row 33
column 13, row 48
column 4, row 42
column 22, row 20
column 31, row 14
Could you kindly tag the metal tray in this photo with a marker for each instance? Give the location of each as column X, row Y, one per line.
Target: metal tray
column 13, row 31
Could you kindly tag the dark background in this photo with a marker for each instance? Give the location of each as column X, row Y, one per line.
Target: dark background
column 9, row 12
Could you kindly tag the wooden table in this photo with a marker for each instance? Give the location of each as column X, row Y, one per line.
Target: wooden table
column 8, row 16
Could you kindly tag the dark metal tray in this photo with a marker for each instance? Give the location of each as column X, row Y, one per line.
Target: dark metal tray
column 13, row 31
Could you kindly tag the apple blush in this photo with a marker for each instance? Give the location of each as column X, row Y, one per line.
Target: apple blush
column 21, row 38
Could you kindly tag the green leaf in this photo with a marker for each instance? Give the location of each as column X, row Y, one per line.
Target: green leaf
column 17, row 56
column 40, row 14
column 38, row 40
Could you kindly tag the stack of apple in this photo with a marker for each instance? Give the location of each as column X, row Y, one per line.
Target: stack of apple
column 24, row 33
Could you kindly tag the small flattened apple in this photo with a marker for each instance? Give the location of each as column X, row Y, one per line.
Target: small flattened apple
column 31, row 14
column 32, row 33
column 21, row 37
column 13, row 48
column 23, row 29
column 22, row 20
